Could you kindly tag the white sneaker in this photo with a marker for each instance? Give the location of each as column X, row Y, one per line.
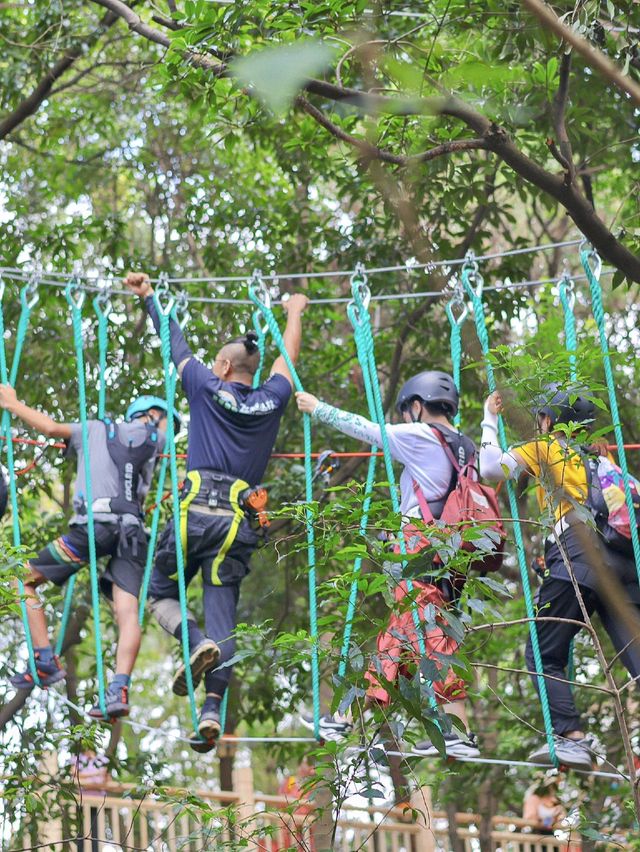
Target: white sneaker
column 330, row 727
column 456, row 745
column 574, row 754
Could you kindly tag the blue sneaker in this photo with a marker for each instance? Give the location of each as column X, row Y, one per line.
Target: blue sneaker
column 48, row 673
column 117, row 704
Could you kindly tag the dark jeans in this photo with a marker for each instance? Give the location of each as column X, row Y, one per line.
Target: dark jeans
column 557, row 599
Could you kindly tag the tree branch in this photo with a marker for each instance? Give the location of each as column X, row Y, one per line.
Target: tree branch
column 594, row 57
column 560, row 102
column 33, row 101
column 370, row 151
column 494, row 138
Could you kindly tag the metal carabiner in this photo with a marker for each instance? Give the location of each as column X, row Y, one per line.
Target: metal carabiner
column 566, row 289
column 102, row 302
column 448, row 308
column 2, row 287
column 360, row 287
column 259, row 289
column 29, row 294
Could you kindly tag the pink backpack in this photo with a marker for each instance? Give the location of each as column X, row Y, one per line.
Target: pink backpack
column 469, row 503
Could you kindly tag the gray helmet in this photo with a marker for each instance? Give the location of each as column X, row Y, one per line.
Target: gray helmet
column 431, row 386
column 564, row 406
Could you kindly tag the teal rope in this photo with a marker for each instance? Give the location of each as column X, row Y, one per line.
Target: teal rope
column 366, row 355
column 261, row 347
column 153, row 537
column 481, row 329
column 103, row 322
column 165, row 314
column 455, row 343
column 598, row 315
column 103, row 341
column 76, row 298
column 267, row 313
column 567, row 298
column 364, row 518
column 28, row 299
column 180, row 311
column 565, row 291
column 223, row 711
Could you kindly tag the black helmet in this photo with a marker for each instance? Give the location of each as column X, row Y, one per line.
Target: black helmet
column 431, row 386
column 564, row 406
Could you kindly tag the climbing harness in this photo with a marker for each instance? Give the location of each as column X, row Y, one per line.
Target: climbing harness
column 473, row 284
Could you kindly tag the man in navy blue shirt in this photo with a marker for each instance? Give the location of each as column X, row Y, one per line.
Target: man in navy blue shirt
column 232, row 430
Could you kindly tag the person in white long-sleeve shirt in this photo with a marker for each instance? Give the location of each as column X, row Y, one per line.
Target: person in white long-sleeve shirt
column 427, row 404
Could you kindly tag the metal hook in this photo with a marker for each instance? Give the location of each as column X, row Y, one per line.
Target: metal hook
column 2, row 288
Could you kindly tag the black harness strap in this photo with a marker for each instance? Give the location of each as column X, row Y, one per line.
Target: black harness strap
column 129, row 461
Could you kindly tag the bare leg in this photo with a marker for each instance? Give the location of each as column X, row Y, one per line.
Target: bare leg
column 125, row 606
column 35, row 609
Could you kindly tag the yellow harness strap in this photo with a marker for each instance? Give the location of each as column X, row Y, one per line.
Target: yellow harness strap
column 196, row 481
column 234, row 492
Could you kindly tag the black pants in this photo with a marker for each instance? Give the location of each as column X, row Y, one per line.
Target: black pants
column 220, row 549
column 557, row 599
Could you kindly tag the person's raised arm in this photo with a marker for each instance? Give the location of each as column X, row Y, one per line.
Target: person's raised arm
column 138, row 283
column 344, row 421
column 494, row 463
column 292, row 336
column 42, row 423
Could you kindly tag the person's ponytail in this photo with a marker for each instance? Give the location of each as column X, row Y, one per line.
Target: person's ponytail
column 250, row 342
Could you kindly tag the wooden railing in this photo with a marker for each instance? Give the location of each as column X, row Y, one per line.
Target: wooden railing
column 111, row 821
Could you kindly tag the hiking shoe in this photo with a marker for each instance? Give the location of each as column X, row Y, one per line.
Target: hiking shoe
column 330, row 728
column 456, row 745
column 209, row 725
column 204, row 658
column 49, row 673
column 202, row 746
column 116, row 701
column 574, row 754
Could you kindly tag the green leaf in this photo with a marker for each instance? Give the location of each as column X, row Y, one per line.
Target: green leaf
column 276, row 74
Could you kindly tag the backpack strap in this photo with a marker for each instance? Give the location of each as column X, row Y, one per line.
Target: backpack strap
column 425, row 509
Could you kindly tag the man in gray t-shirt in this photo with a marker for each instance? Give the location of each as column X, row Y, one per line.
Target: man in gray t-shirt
column 122, row 457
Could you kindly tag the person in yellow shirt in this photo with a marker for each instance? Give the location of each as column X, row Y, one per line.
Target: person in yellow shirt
column 554, row 460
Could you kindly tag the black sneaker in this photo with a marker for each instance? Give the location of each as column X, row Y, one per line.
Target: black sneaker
column 330, row 727
column 456, row 745
column 48, row 673
column 204, row 658
column 574, row 754
column 116, row 701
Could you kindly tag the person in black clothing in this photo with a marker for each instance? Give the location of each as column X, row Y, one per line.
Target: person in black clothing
column 232, row 431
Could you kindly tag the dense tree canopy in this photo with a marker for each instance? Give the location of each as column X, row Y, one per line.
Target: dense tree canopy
column 208, row 139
